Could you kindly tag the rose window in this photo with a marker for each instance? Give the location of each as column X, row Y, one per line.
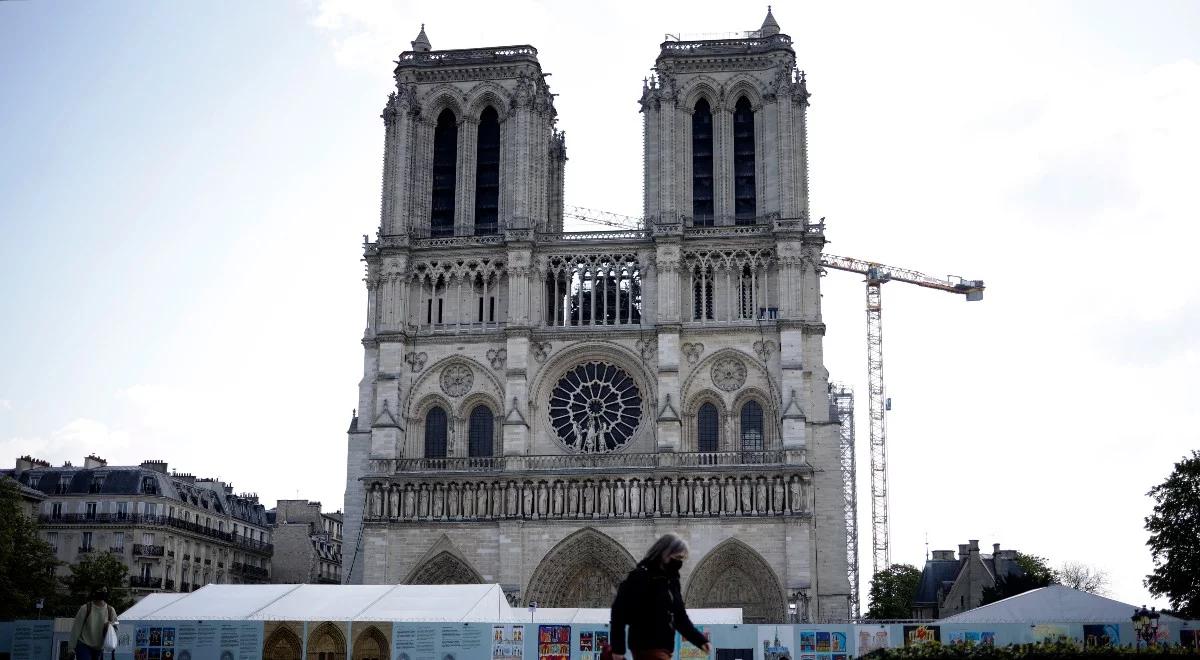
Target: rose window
column 595, row 407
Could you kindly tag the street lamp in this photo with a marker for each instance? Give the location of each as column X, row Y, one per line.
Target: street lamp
column 1145, row 625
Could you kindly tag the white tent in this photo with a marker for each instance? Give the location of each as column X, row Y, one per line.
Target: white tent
column 312, row 602
column 1054, row 603
column 368, row 602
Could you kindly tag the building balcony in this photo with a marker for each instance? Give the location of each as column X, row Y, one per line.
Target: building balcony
column 258, row 547
column 143, row 582
column 250, row 572
column 141, row 550
column 131, row 520
column 84, row 549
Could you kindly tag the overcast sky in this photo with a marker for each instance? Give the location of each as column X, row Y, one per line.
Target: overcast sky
column 184, row 188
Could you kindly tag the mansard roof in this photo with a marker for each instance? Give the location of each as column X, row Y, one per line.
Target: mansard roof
column 204, row 493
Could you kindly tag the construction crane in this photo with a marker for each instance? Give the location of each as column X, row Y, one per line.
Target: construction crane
column 876, row 275
column 606, row 218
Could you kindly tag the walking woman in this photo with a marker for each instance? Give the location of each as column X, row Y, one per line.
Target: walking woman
column 649, row 602
column 90, row 626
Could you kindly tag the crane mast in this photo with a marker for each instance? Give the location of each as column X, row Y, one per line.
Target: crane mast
column 876, row 275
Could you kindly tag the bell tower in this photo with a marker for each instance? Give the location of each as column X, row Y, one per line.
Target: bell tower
column 725, row 139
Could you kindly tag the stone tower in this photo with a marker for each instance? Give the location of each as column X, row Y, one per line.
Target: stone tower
column 539, row 405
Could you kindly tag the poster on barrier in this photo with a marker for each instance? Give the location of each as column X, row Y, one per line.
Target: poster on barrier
column 447, row 641
column 33, row 640
column 590, row 643
column 921, row 634
column 508, row 642
column 554, row 642
column 1104, row 634
column 871, row 638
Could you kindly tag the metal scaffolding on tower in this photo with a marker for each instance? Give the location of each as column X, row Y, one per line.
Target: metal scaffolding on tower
column 841, row 403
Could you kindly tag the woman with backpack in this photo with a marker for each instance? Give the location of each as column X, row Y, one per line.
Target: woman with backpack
column 91, row 626
column 650, row 603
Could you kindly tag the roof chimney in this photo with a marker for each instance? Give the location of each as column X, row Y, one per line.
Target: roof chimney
column 962, row 550
column 93, row 461
column 157, row 466
column 943, row 554
column 28, row 462
column 995, row 549
column 974, row 546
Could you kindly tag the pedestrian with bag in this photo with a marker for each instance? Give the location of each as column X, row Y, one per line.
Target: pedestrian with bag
column 94, row 632
column 650, row 603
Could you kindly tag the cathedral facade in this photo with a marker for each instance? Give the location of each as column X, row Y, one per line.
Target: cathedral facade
column 539, row 405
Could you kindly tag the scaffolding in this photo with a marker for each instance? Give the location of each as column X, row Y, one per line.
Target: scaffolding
column 841, row 404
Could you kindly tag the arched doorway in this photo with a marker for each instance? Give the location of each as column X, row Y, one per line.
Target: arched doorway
column 283, row 644
column 371, row 645
column 734, row 575
column 445, row 568
column 583, row 570
column 326, row 642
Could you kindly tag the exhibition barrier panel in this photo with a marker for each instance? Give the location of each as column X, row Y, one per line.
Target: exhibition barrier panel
column 511, row 640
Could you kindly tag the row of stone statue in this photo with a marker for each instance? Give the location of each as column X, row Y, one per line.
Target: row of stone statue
column 747, row 495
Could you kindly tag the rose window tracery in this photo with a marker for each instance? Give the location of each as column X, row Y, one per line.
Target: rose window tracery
column 729, row 374
column 595, row 407
column 457, row 379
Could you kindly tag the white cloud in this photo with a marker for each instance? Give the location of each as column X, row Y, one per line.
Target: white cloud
column 72, row 442
column 6, row 404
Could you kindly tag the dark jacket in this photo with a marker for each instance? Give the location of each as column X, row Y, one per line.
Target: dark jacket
column 649, row 602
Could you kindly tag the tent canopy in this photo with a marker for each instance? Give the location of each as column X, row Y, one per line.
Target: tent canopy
column 1053, row 603
column 367, row 602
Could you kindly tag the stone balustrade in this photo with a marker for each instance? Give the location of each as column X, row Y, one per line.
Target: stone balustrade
column 784, row 491
column 795, row 458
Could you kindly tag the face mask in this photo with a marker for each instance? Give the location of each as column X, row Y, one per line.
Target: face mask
column 675, row 565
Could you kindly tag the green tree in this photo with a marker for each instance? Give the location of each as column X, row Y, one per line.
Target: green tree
column 95, row 571
column 892, row 592
column 26, row 561
column 1035, row 574
column 1174, row 544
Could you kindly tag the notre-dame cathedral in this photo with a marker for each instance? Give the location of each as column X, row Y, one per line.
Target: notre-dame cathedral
column 538, row 405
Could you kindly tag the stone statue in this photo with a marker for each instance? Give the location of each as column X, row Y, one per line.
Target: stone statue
column 527, row 500
column 572, row 498
column 543, row 500
column 619, row 498
column 481, row 504
column 423, row 502
column 635, row 498
column 760, row 495
column 730, row 499
column 439, row 501
column 667, row 495
column 558, row 498
column 747, row 496
column 795, row 504
column 511, row 503
column 651, row 502
column 410, row 504
column 583, row 437
column 588, row 499
column 603, row 500
column 714, row 496
column 777, row 493
column 452, row 501
column 468, row 501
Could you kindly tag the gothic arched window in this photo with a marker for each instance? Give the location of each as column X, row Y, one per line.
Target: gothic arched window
column 744, row 191
column 487, row 173
column 445, row 160
column 752, row 426
column 479, row 432
column 435, row 433
column 708, row 424
column 702, row 165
